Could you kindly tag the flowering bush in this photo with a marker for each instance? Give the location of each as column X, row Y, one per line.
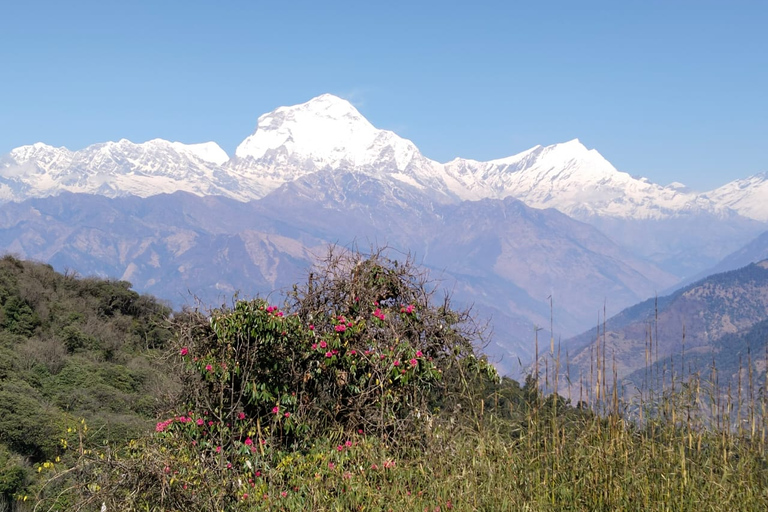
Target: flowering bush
column 358, row 353
column 360, row 347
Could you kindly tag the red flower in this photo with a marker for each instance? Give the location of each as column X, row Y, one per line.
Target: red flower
column 184, row 351
column 248, row 441
column 241, row 416
column 209, row 368
column 396, row 363
column 276, row 409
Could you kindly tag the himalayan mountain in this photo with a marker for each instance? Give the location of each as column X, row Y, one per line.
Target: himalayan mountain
column 554, row 234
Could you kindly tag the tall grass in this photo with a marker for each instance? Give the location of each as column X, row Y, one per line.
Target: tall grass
column 680, row 441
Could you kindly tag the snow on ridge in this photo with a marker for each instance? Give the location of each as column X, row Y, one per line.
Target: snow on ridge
column 328, row 132
column 205, row 151
column 325, row 131
column 747, row 196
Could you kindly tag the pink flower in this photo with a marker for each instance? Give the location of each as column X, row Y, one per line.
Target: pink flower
column 209, row 368
column 396, row 363
column 341, row 328
column 340, row 447
column 218, row 449
column 245, row 496
column 276, row 409
column 241, row 416
column 352, row 352
column 283, row 494
column 348, row 444
column 328, row 354
column 248, row 441
column 418, row 353
column 414, row 362
column 409, row 309
column 323, row 344
column 184, row 351
column 287, row 415
column 331, row 465
column 200, row 422
column 263, row 442
column 311, row 327
column 314, row 346
column 280, row 313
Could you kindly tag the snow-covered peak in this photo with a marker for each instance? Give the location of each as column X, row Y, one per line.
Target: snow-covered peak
column 747, row 196
column 205, row 151
column 572, row 178
column 325, row 131
column 36, row 151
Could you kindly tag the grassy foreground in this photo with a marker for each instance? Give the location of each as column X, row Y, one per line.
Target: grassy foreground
column 570, row 460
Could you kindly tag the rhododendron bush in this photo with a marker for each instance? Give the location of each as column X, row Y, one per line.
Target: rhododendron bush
column 360, row 347
column 362, row 353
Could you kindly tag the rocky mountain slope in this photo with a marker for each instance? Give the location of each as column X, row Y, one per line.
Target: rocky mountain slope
column 695, row 322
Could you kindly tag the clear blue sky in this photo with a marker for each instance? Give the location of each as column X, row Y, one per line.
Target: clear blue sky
column 671, row 90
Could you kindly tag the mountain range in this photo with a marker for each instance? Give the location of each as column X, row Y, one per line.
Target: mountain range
column 327, row 132
column 553, row 234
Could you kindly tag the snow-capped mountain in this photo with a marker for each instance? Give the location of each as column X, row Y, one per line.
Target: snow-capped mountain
column 575, row 180
column 747, row 196
column 328, row 133
column 118, row 168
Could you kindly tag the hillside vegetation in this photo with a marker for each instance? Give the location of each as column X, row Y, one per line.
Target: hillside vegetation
column 73, row 349
column 363, row 389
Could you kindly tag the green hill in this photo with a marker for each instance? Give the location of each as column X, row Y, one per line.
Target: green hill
column 72, row 349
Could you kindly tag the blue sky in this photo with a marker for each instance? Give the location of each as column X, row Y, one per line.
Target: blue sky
column 670, row 90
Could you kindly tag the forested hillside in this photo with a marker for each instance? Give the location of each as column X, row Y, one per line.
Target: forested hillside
column 73, row 349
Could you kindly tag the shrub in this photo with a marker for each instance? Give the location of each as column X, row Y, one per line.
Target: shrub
column 361, row 348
